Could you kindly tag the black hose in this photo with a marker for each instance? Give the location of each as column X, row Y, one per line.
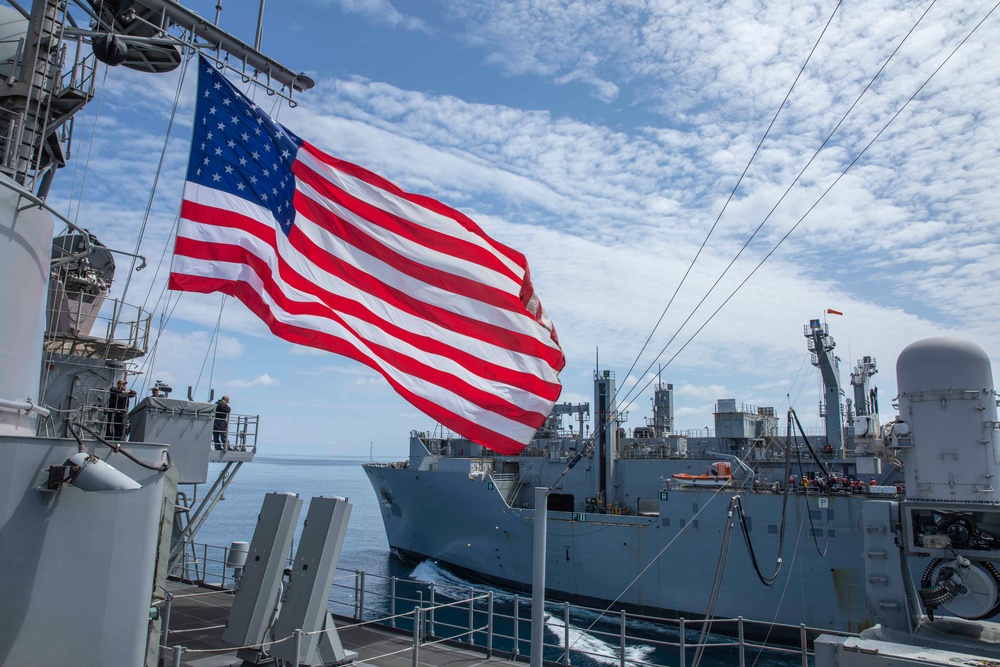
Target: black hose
column 117, row 448
column 819, row 463
column 769, row 580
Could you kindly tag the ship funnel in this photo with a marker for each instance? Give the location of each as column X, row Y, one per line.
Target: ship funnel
column 948, row 438
column 25, row 243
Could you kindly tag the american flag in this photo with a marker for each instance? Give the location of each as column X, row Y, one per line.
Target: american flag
column 335, row 257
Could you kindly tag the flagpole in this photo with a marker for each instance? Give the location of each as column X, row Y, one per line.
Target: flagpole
column 538, row 577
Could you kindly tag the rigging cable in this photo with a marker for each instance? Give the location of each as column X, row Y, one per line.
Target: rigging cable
column 649, row 565
column 252, row 85
column 802, row 171
column 713, row 596
column 732, row 194
column 93, row 136
column 213, row 344
column 720, row 571
column 152, row 192
column 769, row 580
column 805, row 439
column 827, row 475
column 69, row 203
column 90, row 150
column 656, row 557
column 164, row 295
column 171, row 236
column 784, row 591
column 796, row 225
column 802, row 386
column 151, row 356
column 797, row 178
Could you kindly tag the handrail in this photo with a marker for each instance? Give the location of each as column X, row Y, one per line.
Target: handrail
column 24, row 406
column 25, row 193
column 497, row 616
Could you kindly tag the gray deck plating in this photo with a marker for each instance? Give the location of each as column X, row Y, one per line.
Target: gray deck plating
column 198, row 616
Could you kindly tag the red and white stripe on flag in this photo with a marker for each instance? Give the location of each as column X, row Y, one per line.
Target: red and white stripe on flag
column 397, row 281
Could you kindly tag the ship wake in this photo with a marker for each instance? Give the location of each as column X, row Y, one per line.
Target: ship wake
column 449, row 585
column 598, row 650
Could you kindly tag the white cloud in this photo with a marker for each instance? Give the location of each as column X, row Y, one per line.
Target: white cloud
column 302, row 350
column 612, row 203
column 603, row 90
column 383, row 13
column 262, row 380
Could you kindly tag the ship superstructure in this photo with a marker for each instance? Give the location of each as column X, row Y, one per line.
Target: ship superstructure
column 948, row 438
column 98, row 502
column 630, row 523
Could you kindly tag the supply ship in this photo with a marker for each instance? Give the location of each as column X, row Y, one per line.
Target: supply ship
column 641, row 520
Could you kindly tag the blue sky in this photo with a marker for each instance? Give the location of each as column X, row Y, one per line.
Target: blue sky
column 603, row 139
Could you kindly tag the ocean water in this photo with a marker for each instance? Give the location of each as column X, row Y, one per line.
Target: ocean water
column 235, row 517
column 592, row 637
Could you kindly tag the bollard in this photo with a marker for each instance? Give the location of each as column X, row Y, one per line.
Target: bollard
column 517, row 625
column 165, row 625
column 416, row 636
column 566, row 633
column 803, row 638
column 743, row 656
column 420, row 605
column 472, row 618
column 621, row 625
column 429, row 617
column 357, row 592
column 178, row 652
column 392, row 602
column 361, row 599
column 489, row 624
column 680, row 646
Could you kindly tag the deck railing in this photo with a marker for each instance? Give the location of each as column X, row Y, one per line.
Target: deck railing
column 497, row 622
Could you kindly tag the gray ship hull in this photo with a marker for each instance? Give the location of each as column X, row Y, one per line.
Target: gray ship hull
column 92, row 552
column 663, row 561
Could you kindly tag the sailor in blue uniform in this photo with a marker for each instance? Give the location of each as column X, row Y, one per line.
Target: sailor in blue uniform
column 117, row 407
column 220, row 430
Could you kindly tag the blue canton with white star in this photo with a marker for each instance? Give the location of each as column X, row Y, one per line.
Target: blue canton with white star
column 238, row 149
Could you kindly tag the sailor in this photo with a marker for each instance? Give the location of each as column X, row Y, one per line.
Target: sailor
column 117, row 407
column 155, row 392
column 220, row 429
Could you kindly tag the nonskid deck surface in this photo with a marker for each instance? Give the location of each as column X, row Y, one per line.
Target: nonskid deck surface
column 198, row 616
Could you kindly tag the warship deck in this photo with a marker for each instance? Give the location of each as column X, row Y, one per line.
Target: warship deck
column 198, row 615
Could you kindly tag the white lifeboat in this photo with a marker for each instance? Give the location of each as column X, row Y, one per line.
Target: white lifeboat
column 718, row 475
